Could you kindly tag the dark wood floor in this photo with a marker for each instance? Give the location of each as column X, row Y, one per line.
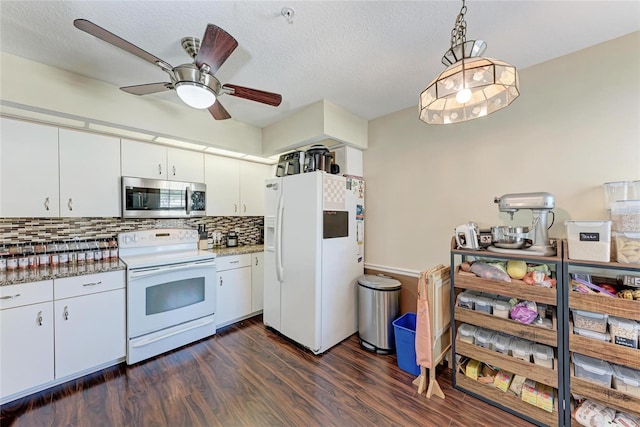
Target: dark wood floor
column 247, row 375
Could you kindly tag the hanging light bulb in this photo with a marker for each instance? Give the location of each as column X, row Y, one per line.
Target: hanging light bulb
column 471, row 86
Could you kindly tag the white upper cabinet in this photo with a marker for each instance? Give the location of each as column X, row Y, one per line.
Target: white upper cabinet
column 145, row 160
column 28, row 169
column 183, row 165
column 235, row 187
column 222, row 176
column 252, row 176
column 89, row 174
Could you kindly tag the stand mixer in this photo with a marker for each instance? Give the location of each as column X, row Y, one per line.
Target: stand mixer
column 540, row 205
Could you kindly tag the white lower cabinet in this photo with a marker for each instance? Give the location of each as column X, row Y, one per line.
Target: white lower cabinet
column 26, row 336
column 57, row 329
column 233, row 288
column 257, row 281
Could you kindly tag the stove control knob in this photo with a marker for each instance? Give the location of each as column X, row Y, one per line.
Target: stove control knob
column 125, row 240
column 134, row 238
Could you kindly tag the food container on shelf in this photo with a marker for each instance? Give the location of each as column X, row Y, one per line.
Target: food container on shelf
column 589, row 240
column 484, row 338
column 501, row 308
column 521, row 349
column 626, row 380
column 592, row 335
column 614, row 191
column 467, row 300
column 627, row 247
column 467, row 333
column 596, row 322
column 624, row 331
column 502, row 343
column 625, row 216
column 634, row 190
column 592, row 369
column 484, row 304
column 543, row 355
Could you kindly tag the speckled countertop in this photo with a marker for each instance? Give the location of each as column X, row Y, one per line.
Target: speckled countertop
column 15, row 277
column 239, row 250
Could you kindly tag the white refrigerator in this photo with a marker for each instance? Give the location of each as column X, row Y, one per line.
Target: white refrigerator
column 314, row 254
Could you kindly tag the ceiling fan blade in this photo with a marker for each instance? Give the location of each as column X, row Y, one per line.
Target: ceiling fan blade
column 102, row 34
column 218, row 111
column 215, row 48
column 147, row 88
column 268, row 98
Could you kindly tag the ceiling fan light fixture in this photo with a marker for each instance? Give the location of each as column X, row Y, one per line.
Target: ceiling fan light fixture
column 195, row 94
column 471, row 86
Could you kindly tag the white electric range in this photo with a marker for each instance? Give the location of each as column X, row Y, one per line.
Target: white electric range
column 171, row 293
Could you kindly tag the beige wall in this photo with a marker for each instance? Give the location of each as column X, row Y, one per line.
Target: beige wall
column 575, row 126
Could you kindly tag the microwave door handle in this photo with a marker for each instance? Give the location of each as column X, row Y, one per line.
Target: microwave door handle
column 189, row 200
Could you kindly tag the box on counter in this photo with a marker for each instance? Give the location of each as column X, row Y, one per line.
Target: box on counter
column 502, row 380
column 589, row 240
column 627, row 247
column 544, row 397
column 529, row 393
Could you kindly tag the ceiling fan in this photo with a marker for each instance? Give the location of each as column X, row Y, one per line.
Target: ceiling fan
column 195, row 83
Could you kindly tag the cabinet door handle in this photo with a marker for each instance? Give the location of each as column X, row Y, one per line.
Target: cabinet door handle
column 10, row 296
column 65, row 313
column 221, row 281
column 70, row 204
column 244, row 208
column 256, row 260
column 235, row 207
column 92, row 284
column 46, row 203
column 234, row 262
column 39, row 318
column 174, row 171
column 159, row 169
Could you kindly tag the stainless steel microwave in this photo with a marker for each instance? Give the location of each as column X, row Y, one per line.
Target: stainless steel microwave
column 155, row 198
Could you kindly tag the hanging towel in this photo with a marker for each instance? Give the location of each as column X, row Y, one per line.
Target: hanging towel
column 424, row 352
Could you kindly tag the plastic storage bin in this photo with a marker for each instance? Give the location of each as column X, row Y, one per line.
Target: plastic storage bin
column 484, row 338
column 592, row 335
column 521, row 349
column 589, row 240
column 543, row 355
column 502, row 343
column 626, row 380
column 596, row 322
column 501, row 308
column 467, row 333
column 467, row 300
column 592, row 369
column 405, row 333
column 484, row 304
column 627, row 247
column 625, row 216
column 624, row 331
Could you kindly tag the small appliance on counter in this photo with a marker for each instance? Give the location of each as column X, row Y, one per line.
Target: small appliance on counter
column 318, row 157
column 203, row 241
column 467, row 236
column 232, row 239
column 290, row 163
column 515, row 239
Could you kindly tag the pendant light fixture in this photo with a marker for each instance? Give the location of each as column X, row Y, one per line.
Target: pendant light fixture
column 471, row 86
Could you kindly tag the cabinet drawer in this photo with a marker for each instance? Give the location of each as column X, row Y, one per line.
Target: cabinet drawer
column 88, row 284
column 25, row 294
column 233, row 261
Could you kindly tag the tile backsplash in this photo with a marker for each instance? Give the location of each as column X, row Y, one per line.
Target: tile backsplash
column 15, row 231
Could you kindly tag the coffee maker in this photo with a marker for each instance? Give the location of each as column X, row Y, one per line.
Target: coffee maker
column 540, row 205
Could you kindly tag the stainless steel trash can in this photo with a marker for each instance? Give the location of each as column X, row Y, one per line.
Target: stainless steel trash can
column 378, row 307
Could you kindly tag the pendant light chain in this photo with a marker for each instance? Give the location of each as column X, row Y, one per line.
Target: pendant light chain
column 459, row 32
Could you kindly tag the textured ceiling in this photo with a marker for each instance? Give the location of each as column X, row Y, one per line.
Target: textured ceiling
column 368, row 57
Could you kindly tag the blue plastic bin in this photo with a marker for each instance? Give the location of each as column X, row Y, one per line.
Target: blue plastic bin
column 405, row 332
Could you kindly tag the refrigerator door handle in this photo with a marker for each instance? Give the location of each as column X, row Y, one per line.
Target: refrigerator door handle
column 278, row 239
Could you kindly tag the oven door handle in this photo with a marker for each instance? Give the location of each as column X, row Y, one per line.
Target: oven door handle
column 153, row 271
